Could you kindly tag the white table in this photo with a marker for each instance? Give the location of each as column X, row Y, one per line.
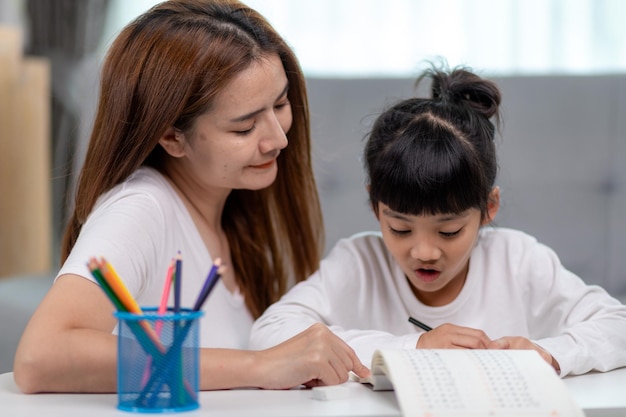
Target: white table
column 599, row 394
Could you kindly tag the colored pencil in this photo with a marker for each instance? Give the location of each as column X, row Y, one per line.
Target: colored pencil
column 118, row 294
column 158, row 326
column 166, row 293
column 118, row 287
column 171, row 359
column 126, row 299
column 142, row 330
column 97, row 274
column 209, row 283
column 156, row 378
column 178, row 281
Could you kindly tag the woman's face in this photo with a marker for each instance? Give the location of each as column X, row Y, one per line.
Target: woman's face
column 236, row 143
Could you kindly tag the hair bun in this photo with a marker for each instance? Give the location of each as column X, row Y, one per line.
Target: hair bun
column 462, row 87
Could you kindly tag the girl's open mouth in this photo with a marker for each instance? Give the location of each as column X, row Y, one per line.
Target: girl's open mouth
column 427, row 275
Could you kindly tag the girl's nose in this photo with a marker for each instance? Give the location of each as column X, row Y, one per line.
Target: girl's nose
column 425, row 251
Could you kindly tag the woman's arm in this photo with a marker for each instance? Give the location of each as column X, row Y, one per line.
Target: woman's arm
column 313, row 357
column 68, row 347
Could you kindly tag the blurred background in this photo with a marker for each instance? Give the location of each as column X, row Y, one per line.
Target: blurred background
column 561, row 65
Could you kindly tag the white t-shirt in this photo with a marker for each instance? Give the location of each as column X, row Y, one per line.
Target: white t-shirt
column 139, row 226
column 515, row 287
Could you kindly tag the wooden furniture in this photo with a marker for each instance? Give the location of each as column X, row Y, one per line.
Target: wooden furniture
column 25, row 203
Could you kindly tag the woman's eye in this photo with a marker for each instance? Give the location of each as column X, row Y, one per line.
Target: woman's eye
column 281, row 104
column 246, row 131
column 450, row 234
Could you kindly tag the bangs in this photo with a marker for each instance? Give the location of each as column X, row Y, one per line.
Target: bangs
column 442, row 180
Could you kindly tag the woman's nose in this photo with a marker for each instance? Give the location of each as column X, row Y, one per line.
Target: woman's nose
column 275, row 136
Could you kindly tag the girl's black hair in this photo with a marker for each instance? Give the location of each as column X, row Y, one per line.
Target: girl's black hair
column 436, row 155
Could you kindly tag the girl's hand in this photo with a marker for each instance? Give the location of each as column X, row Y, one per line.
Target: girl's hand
column 450, row 336
column 314, row 357
column 517, row 342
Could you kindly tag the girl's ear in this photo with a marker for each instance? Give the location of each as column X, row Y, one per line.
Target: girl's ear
column 173, row 141
column 493, row 205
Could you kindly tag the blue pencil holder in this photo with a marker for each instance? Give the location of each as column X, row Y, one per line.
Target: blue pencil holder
column 158, row 361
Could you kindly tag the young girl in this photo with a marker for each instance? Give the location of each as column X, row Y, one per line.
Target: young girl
column 432, row 167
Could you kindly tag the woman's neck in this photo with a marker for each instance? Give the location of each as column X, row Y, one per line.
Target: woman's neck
column 205, row 208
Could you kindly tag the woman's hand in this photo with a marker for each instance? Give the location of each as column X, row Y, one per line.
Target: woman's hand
column 517, row 342
column 450, row 336
column 314, row 357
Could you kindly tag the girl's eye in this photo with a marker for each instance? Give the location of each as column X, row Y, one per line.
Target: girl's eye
column 450, row 234
column 398, row 232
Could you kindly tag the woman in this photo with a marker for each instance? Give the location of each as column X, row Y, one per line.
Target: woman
column 200, row 145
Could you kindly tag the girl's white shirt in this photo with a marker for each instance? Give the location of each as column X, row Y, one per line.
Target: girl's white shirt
column 515, row 286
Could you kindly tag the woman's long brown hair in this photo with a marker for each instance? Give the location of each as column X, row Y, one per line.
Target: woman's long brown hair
column 164, row 70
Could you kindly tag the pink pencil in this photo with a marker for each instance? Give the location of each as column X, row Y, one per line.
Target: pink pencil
column 162, row 309
column 166, row 289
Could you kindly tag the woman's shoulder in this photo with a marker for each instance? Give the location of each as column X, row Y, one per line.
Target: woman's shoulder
column 145, row 185
column 144, row 198
column 148, row 180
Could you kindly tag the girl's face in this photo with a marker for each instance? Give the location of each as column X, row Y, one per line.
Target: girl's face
column 433, row 250
column 235, row 144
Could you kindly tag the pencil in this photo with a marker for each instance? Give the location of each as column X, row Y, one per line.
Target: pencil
column 162, row 309
column 126, row 299
column 171, row 357
column 210, row 282
column 117, row 285
column 142, row 330
column 166, row 293
column 116, row 291
column 177, row 325
column 420, row 324
column 177, row 281
column 97, row 274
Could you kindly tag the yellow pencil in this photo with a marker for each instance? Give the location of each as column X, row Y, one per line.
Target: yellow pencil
column 117, row 285
column 126, row 298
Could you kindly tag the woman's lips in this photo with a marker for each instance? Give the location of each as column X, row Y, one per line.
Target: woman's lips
column 427, row 275
column 265, row 165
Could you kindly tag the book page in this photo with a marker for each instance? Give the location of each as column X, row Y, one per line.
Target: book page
column 455, row 382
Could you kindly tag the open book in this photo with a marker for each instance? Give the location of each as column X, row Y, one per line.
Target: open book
column 456, row 382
